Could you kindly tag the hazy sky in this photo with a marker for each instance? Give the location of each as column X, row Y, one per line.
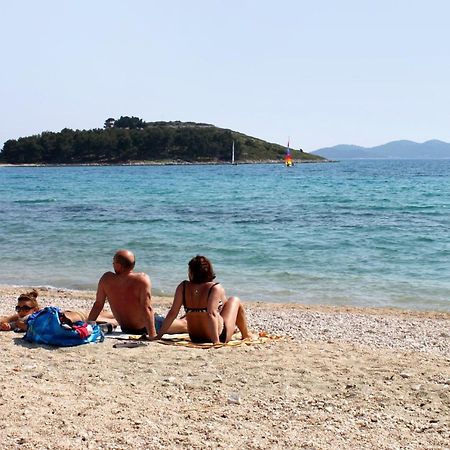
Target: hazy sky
column 323, row 72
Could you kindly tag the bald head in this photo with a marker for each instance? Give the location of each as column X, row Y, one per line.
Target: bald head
column 125, row 258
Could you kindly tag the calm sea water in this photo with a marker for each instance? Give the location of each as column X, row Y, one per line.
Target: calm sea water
column 372, row 233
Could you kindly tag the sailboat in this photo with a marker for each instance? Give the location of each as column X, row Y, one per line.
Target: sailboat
column 232, row 154
column 288, row 157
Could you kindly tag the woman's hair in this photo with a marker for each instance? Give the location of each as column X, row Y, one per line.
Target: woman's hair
column 201, row 269
column 30, row 297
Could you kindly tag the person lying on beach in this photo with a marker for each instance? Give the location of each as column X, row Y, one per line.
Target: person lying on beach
column 211, row 317
column 130, row 299
column 27, row 304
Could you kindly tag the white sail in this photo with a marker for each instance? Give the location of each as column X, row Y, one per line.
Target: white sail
column 232, row 154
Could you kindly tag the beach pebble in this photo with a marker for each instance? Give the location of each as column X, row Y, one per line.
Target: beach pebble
column 234, row 398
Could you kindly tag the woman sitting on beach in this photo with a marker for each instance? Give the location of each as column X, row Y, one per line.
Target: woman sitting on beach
column 210, row 316
column 27, row 304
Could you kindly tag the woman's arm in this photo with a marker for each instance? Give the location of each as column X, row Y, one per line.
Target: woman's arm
column 173, row 313
column 22, row 324
column 8, row 323
column 216, row 294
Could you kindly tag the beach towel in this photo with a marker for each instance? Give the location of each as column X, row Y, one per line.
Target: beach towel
column 236, row 341
column 48, row 326
column 183, row 340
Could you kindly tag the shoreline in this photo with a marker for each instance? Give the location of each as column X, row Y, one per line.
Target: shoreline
column 341, row 378
column 167, row 163
column 390, row 328
column 166, row 300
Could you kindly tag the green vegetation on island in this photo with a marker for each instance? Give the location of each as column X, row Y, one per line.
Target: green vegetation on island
column 131, row 140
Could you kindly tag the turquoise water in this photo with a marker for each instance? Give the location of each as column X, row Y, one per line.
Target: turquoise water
column 368, row 233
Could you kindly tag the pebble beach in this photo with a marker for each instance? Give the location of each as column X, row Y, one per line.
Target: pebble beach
column 341, row 378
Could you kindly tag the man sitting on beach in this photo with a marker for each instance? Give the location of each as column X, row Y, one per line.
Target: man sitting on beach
column 130, row 299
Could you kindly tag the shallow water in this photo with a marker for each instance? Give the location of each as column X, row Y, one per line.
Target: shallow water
column 368, row 233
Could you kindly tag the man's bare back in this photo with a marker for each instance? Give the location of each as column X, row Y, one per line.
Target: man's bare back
column 130, row 298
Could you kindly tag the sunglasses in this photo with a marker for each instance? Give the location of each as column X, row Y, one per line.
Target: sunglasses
column 23, row 308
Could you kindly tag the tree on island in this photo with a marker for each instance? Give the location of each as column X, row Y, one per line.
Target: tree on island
column 109, row 123
column 130, row 123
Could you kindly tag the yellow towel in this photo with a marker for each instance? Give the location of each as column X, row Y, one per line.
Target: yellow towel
column 184, row 340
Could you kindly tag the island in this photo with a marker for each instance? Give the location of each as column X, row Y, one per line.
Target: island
column 131, row 140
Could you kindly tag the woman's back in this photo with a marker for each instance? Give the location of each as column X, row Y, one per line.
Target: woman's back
column 198, row 300
column 196, row 296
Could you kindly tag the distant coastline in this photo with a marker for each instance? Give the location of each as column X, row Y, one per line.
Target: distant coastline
column 433, row 149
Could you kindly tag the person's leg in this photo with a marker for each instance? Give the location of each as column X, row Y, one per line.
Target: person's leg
column 82, row 315
column 241, row 322
column 233, row 314
column 178, row 326
column 108, row 317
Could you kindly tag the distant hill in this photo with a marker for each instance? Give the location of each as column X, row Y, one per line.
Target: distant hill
column 433, row 149
column 131, row 140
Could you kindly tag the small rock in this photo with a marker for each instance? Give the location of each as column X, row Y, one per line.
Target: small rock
column 234, row 398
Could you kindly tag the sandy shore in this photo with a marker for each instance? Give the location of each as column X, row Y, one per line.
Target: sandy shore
column 343, row 378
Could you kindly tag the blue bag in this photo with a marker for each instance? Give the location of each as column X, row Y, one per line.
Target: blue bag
column 45, row 327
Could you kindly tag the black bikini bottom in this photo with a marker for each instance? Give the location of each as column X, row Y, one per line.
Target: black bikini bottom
column 222, row 337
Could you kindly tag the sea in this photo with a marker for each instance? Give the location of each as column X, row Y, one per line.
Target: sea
column 357, row 232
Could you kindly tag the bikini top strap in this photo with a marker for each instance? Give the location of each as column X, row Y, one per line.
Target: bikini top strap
column 210, row 289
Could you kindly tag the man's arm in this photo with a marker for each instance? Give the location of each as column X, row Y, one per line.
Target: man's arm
column 145, row 302
column 99, row 303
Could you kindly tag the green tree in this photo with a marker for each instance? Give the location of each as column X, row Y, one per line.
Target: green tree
column 109, row 123
column 132, row 123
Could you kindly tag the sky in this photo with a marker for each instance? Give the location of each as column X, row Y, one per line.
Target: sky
column 319, row 73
